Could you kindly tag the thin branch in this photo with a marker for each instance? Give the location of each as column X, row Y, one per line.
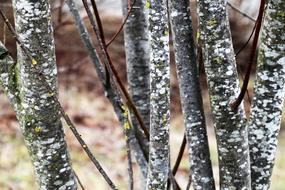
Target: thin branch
column 180, row 155
column 122, row 25
column 130, row 167
column 239, row 51
column 189, row 183
column 234, row 105
column 83, row 144
column 247, row 42
column 61, row 110
column 78, row 180
column 240, row 12
column 110, row 66
column 98, row 20
column 10, row 27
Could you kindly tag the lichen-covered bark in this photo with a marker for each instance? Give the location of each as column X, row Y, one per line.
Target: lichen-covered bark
column 36, row 111
column 268, row 98
column 223, row 86
column 137, row 58
column 159, row 95
column 190, row 93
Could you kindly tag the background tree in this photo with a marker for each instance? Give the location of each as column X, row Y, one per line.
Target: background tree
column 137, row 61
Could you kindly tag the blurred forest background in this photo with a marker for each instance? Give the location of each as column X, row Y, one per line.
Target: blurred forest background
column 83, row 99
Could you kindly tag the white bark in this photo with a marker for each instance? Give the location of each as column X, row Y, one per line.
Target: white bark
column 33, row 102
column 159, row 95
column 231, row 132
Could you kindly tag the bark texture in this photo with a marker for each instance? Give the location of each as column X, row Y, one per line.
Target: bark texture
column 190, row 94
column 159, row 95
column 137, row 58
column 268, row 98
column 231, row 132
column 36, row 111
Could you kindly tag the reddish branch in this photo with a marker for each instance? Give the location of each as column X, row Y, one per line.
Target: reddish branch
column 122, row 25
column 234, row 105
column 111, row 69
column 180, row 155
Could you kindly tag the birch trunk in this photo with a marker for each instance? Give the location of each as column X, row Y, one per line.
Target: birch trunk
column 137, row 58
column 231, row 132
column 268, row 98
column 36, row 111
column 159, row 95
column 190, row 94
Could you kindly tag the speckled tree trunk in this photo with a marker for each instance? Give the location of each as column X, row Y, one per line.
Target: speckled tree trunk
column 231, row 131
column 36, row 111
column 159, row 95
column 268, row 98
column 190, row 94
column 137, row 57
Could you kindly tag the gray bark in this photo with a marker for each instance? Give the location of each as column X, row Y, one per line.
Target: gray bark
column 36, row 111
column 190, row 94
column 268, row 98
column 137, row 58
column 231, row 131
column 159, row 95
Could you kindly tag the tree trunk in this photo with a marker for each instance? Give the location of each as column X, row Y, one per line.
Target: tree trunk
column 36, row 111
column 159, row 96
column 190, row 94
column 268, row 98
column 137, row 58
column 231, row 131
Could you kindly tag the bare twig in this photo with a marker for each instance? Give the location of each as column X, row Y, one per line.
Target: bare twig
column 234, row 105
column 246, row 43
column 240, row 12
column 110, row 66
column 98, row 20
column 78, row 180
column 122, row 25
column 180, row 155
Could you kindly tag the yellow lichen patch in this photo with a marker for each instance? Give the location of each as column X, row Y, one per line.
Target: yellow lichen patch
column 166, row 32
column 50, row 94
column 198, row 35
column 125, row 111
column 37, row 129
column 34, row 62
column 147, row 4
column 212, row 22
column 281, row 14
column 126, row 125
column 126, row 138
